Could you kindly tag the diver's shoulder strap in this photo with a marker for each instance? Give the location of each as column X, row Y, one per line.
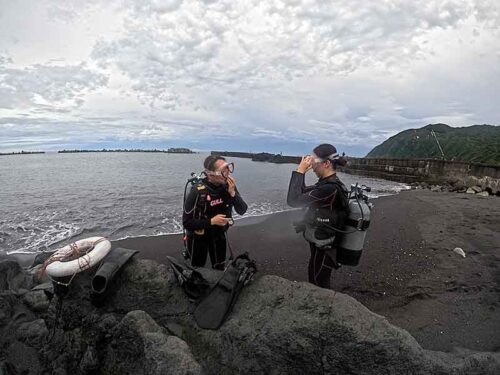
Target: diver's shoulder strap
column 202, row 191
column 344, row 193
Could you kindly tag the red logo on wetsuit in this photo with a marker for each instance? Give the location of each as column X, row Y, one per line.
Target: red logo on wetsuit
column 216, row 202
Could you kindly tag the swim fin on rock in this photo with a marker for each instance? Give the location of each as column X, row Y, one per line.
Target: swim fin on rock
column 105, row 275
column 192, row 281
column 213, row 310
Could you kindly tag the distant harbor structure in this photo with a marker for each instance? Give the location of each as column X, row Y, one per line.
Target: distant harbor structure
column 22, row 153
column 173, row 150
column 261, row 156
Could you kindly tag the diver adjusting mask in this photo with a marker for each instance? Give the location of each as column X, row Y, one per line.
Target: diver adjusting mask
column 222, row 173
column 331, row 157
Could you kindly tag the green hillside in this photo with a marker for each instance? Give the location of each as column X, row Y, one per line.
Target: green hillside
column 478, row 144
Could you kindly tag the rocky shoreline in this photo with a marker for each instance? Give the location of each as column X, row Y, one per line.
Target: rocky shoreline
column 146, row 327
column 482, row 190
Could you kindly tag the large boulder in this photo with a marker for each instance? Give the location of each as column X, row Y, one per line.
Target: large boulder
column 279, row 326
column 140, row 346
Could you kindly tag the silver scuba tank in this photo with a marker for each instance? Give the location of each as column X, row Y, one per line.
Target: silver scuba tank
column 353, row 238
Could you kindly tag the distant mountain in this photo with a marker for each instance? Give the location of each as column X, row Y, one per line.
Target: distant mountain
column 478, row 144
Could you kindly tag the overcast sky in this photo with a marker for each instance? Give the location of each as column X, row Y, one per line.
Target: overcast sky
column 246, row 75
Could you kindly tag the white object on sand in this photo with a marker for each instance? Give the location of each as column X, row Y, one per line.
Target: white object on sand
column 459, row 251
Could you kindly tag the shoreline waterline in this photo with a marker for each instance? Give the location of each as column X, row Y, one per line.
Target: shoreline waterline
column 239, row 220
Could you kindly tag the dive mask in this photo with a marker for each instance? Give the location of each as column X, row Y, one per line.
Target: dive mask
column 223, row 171
column 331, row 157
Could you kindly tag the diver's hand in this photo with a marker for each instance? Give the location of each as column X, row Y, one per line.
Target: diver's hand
column 305, row 164
column 219, row 220
column 231, row 186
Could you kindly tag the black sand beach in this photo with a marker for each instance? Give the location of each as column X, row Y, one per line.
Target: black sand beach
column 408, row 271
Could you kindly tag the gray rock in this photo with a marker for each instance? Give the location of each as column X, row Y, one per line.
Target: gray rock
column 436, row 188
column 22, row 359
column 483, row 194
column 140, row 346
column 36, row 300
column 33, row 333
column 41, row 257
column 477, row 189
column 12, row 276
column 278, row 326
column 470, row 191
column 90, row 361
column 48, row 289
column 168, row 354
column 485, row 182
column 8, row 301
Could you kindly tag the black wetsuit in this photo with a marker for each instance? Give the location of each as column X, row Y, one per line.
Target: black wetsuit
column 203, row 202
column 325, row 194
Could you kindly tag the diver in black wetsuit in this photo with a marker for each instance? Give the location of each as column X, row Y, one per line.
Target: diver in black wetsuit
column 327, row 203
column 208, row 213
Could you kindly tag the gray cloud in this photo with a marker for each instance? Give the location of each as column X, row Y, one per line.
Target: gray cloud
column 47, row 86
column 248, row 45
column 350, row 72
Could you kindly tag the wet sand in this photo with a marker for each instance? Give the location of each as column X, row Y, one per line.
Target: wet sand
column 408, row 271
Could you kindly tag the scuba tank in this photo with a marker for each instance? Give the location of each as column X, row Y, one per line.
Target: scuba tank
column 194, row 180
column 353, row 236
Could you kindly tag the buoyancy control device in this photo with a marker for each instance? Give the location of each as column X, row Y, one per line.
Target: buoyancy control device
column 345, row 245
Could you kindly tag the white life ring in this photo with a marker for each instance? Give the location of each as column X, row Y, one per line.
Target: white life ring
column 100, row 248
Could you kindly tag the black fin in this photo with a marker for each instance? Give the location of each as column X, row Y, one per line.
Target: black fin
column 190, row 279
column 111, row 264
column 216, row 306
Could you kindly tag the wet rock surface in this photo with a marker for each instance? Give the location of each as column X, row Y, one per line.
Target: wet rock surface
column 146, row 327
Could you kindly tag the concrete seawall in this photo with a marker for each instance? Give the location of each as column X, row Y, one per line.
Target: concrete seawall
column 429, row 170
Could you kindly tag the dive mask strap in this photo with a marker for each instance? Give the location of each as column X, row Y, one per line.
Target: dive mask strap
column 332, row 157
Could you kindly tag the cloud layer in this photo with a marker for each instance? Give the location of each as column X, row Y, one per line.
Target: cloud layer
column 275, row 75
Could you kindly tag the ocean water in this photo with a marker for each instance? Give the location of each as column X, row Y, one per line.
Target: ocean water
column 47, row 199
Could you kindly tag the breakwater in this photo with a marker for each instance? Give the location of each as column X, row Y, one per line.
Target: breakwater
column 22, row 153
column 261, row 156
